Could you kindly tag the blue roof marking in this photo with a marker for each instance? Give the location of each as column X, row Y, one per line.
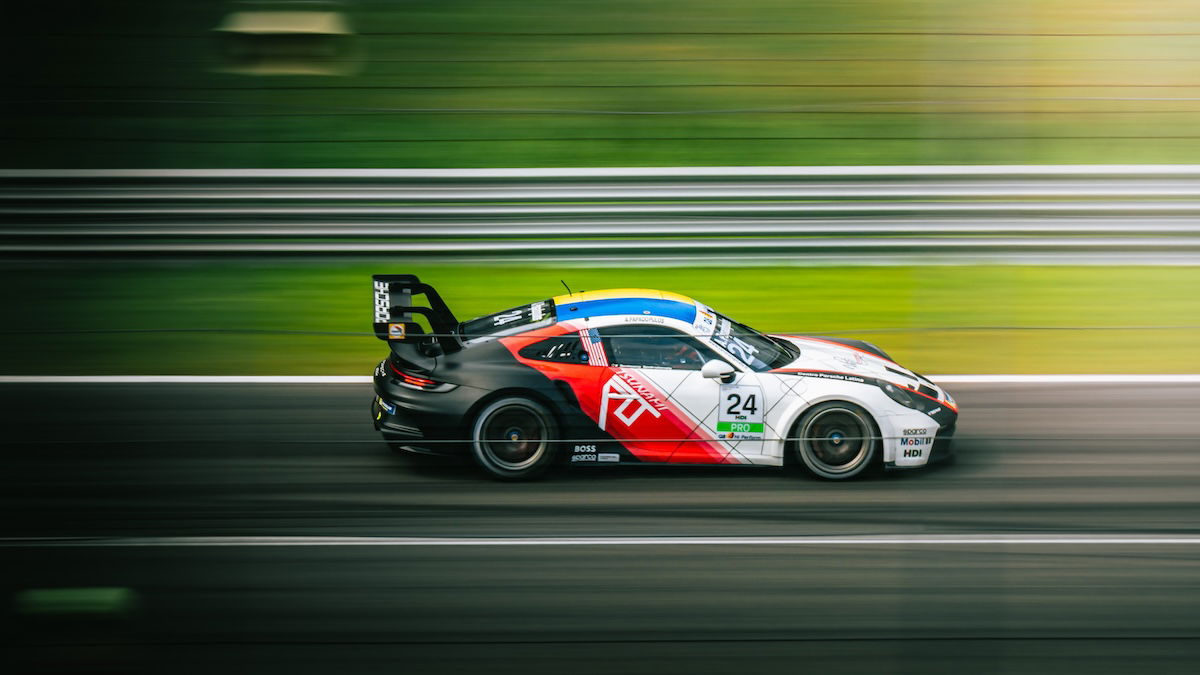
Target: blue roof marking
column 671, row 309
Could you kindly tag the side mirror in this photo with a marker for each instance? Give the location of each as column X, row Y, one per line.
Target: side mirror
column 717, row 370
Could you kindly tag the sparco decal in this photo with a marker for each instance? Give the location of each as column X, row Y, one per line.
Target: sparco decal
column 630, row 398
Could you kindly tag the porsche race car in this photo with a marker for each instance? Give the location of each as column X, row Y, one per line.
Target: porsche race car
column 630, row 376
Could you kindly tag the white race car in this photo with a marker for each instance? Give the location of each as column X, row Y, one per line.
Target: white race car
column 637, row 376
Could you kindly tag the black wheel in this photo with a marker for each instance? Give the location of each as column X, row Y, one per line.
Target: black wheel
column 835, row 440
column 514, row 438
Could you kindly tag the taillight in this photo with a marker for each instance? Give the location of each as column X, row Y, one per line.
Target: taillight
column 415, row 382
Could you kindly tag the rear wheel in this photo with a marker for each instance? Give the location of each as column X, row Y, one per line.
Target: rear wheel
column 514, row 438
column 835, row 440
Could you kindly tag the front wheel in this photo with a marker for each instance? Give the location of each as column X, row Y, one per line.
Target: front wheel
column 835, row 440
column 514, row 438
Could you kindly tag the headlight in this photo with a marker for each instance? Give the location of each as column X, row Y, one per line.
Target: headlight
column 907, row 398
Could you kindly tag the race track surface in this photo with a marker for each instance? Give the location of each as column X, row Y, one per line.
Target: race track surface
column 221, row 464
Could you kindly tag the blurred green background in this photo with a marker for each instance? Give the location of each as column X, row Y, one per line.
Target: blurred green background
column 475, row 83
column 480, row 83
column 239, row 317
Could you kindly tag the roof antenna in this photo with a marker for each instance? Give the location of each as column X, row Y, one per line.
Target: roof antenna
column 569, row 291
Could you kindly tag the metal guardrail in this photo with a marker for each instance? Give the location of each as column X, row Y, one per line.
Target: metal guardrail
column 796, row 215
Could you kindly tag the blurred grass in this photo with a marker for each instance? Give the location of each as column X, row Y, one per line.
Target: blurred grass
column 577, row 83
column 933, row 319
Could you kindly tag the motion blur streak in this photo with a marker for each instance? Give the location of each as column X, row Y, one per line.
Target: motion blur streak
column 910, row 540
column 553, row 83
column 1005, row 586
column 865, row 215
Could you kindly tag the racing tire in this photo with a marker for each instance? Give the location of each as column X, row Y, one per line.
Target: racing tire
column 514, row 438
column 835, row 440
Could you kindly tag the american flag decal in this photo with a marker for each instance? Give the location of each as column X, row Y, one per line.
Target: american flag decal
column 591, row 344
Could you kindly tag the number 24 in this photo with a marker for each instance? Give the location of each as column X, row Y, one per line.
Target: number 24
column 748, row 406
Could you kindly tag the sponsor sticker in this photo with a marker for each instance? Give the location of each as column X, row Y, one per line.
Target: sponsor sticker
column 383, row 303
column 913, row 446
column 589, row 457
column 854, row 360
column 835, row 376
column 506, row 318
column 608, row 457
column 387, row 407
column 740, row 412
column 627, row 399
column 395, row 331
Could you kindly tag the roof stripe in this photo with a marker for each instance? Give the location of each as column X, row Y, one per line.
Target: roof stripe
column 670, row 309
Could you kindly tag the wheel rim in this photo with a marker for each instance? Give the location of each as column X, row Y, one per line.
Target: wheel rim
column 513, row 437
column 837, row 440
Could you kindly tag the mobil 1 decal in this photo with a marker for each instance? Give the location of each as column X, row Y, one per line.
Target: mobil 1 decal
column 740, row 413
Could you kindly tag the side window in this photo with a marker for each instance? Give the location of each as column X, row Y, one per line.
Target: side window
column 563, row 349
column 650, row 346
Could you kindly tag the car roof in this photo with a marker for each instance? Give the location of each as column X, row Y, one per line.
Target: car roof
column 630, row 301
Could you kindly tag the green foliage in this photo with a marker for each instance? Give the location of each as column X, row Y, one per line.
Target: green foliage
column 622, row 83
column 935, row 319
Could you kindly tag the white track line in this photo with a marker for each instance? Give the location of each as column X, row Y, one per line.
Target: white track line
column 865, row 540
column 633, row 172
column 366, row 379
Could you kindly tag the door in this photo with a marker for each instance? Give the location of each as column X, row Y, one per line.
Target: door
column 656, row 402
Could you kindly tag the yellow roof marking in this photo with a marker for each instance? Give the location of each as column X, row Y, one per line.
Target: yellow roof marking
column 621, row 293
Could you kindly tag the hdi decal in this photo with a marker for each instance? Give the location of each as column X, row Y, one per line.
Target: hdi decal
column 629, row 392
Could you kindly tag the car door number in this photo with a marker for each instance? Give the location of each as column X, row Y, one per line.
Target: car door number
column 740, row 413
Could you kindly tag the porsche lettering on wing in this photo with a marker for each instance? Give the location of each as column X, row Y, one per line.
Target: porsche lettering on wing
column 641, row 376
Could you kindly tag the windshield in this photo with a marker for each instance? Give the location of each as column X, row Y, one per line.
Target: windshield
column 759, row 352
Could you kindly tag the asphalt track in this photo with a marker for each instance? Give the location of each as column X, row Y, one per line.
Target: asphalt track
column 219, row 465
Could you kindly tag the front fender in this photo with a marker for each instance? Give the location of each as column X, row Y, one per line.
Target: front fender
column 907, row 435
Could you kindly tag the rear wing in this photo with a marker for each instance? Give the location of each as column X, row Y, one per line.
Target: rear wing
column 394, row 312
